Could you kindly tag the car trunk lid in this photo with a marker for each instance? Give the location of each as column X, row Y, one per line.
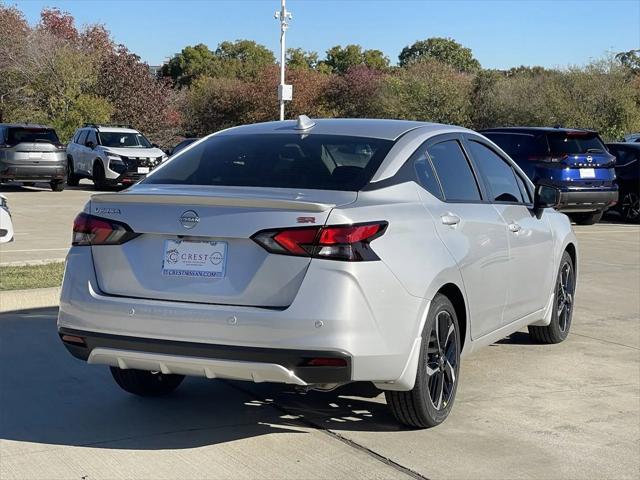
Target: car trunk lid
column 195, row 242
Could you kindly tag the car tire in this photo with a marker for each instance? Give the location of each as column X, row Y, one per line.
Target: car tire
column 144, row 383
column 72, row 179
column 99, row 179
column 58, row 185
column 587, row 218
column 629, row 207
column 425, row 406
column 563, row 302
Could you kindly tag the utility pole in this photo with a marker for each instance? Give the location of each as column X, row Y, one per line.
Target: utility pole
column 285, row 92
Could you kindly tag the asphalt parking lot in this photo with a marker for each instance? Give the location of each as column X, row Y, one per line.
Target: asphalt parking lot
column 522, row 411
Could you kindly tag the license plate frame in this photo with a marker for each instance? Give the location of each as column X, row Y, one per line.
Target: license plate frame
column 195, row 259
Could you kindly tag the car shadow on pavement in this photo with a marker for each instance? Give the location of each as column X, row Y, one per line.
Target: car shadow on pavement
column 49, row 397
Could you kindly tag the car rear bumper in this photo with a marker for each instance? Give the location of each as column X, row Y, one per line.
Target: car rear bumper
column 35, row 172
column 207, row 360
column 368, row 319
column 587, row 200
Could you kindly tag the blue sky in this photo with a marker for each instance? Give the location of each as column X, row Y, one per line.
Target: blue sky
column 502, row 33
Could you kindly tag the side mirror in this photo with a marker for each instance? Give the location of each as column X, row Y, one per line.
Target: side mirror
column 545, row 196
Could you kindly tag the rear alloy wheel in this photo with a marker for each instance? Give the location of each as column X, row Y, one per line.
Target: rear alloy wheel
column 99, row 179
column 429, row 402
column 72, row 179
column 146, row 384
column 58, row 185
column 587, row 218
column 558, row 330
column 630, row 207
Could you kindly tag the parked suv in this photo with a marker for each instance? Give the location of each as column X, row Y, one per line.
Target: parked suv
column 628, row 178
column 31, row 153
column 111, row 155
column 318, row 253
column 575, row 161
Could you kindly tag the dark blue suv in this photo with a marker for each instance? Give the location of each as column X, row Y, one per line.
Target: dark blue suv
column 575, row 161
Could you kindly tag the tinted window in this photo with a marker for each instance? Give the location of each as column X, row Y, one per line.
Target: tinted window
column 424, row 171
column 82, row 137
column 91, row 137
column 124, row 139
column 520, row 146
column 497, row 173
column 454, row 172
column 563, row 143
column 21, row 135
column 326, row 162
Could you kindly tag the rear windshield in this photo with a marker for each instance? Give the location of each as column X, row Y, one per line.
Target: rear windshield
column 520, row 145
column 123, row 139
column 562, row 143
column 26, row 135
column 323, row 162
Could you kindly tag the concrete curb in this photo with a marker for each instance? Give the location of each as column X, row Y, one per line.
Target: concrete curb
column 12, row 300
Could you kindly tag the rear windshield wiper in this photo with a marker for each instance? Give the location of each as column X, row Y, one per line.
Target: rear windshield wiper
column 594, row 150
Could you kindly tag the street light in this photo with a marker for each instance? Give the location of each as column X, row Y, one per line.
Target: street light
column 285, row 92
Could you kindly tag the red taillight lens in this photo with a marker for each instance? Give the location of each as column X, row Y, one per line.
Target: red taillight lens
column 339, row 242
column 92, row 230
column 326, row 362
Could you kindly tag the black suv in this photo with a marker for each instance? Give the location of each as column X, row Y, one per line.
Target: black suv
column 628, row 173
column 574, row 161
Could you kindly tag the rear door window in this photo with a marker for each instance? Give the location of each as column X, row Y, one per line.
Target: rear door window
column 453, row 169
column 497, row 173
column 91, row 137
column 82, row 137
column 324, row 162
column 18, row 135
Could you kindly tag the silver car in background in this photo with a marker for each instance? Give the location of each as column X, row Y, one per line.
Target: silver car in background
column 32, row 153
column 318, row 253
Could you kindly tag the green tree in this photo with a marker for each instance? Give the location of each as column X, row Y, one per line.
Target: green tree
column 340, row 59
column 630, row 59
column 429, row 91
column 297, row 58
column 445, row 50
column 242, row 59
column 189, row 64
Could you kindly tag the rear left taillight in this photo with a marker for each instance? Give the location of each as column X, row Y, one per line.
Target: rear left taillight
column 91, row 230
column 334, row 242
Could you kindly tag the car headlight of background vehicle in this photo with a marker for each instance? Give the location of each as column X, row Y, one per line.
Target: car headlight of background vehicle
column 116, row 163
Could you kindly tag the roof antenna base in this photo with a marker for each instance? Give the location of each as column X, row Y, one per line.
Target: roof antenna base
column 304, row 123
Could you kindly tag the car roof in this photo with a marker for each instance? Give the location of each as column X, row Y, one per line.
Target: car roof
column 25, row 125
column 356, row 127
column 535, row 130
column 111, row 129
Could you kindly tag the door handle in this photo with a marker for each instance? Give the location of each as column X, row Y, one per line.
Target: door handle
column 514, row 227
column 450, row 219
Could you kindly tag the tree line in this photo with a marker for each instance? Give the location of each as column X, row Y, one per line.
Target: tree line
column 59, row 74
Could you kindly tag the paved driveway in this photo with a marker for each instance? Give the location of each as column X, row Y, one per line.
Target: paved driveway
column 522, row 411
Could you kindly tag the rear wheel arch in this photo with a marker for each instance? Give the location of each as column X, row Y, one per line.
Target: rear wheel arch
column 456, row 297
column 571, row 250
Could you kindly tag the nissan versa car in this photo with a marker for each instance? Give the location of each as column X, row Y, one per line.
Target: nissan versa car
column 318, row 253
column 575, row 161
column 111, row 155
column 32, row 153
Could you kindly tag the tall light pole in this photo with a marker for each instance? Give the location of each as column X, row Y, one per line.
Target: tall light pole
column 285, row 92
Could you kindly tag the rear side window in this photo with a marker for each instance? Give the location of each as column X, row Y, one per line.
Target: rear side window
column 520, row 146
column 497, row 173
column 322, row 162
column 571, row 143
column 426, row 175
column 18, row 135
column 82, row 138
column 453, row 169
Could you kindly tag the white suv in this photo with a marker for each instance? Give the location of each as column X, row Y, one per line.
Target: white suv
column 110, row 155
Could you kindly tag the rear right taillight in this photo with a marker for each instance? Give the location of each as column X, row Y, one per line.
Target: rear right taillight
column 91, row 230
column 334, row 242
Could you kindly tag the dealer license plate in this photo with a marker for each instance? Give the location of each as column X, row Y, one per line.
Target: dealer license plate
column 587, row 173
column 194, row 259
column 143, row 169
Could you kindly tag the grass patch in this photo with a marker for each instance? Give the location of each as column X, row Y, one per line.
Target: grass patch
column 31, row 276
